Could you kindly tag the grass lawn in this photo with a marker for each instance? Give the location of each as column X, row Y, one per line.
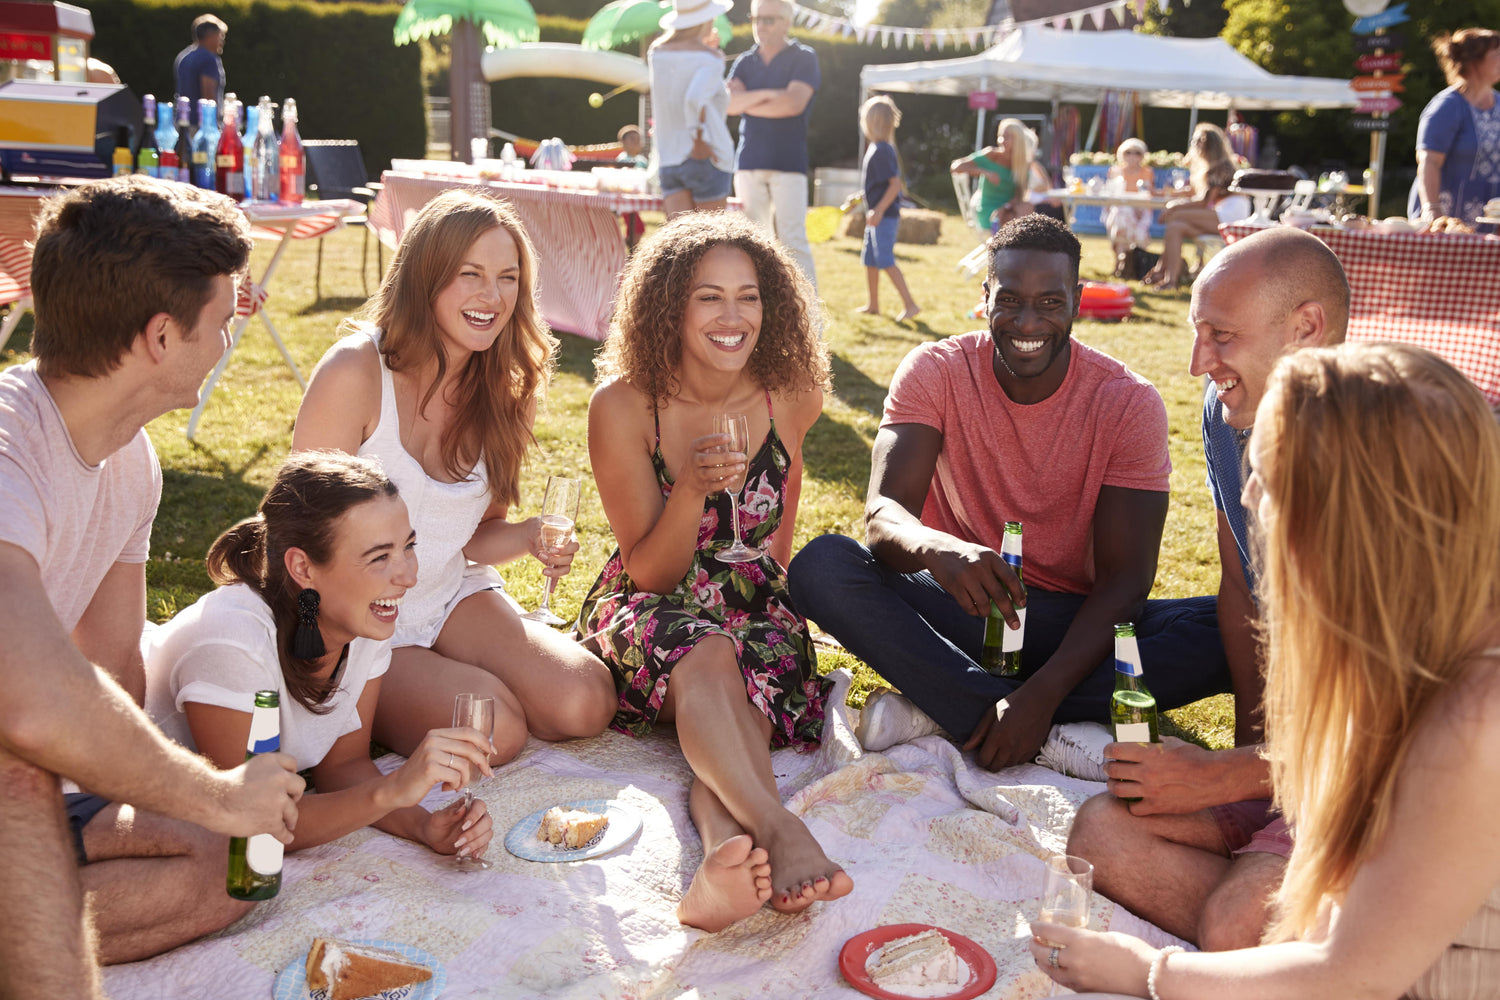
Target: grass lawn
column 246, row 430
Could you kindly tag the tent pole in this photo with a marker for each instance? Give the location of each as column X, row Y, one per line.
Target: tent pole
column 1377, row 170
column 984, row 84
column 1193, row 118
column 1094, row 125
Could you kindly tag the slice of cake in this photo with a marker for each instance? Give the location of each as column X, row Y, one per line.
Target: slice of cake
column 352, row 971
column 571, row 828
column 1492, row 209
column 925, row 959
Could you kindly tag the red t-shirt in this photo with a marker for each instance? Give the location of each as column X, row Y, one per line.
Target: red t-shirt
column 1041, row 464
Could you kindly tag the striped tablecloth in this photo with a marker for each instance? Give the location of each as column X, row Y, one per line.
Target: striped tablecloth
column 1438, row 291
column 577, row 236
column 18, row 208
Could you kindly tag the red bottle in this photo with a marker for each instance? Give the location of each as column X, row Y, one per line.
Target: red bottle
column 229, row 158
column 293, row 162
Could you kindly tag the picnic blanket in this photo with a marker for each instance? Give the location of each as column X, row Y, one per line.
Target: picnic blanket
column 927, row 836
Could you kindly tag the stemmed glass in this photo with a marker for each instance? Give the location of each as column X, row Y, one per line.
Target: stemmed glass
column 476, row 712
column 559, row 513
column 737, row 427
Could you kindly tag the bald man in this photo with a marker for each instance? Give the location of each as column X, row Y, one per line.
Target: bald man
column 1201, row 853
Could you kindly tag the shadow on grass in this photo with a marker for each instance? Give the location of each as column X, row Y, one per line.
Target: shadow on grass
column 856, row 388
column 196, row 505
column 836, row 453
column 346, row 304
column 575, row 355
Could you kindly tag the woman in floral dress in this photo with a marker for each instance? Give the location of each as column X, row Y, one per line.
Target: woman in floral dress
column 713, row 318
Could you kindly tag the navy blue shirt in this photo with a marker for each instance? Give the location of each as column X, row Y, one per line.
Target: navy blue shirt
column 193, row 63
column 1224, row 448
column 875, row 175
column 775, row 143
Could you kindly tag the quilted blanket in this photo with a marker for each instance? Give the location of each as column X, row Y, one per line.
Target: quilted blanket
column 927, row 836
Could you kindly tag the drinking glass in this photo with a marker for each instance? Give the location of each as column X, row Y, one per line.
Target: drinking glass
column 477, row 712
column 737, row 427
column 559, row 513
column 1066, row 891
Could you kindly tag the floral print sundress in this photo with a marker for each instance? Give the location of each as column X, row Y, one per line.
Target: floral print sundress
column 642, row 635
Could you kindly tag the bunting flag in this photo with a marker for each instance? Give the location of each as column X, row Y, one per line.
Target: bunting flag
column 978, row 36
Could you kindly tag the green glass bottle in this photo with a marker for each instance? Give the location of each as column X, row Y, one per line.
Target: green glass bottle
column 1132, row 709
column 255, row 862
column 1001, row 655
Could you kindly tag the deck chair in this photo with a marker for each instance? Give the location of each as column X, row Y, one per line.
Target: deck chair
column 975, row 261
column 336, row 169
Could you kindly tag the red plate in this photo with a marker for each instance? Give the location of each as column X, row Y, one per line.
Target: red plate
column 858, row 949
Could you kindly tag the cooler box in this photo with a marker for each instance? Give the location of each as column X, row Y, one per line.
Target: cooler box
column 52, row 129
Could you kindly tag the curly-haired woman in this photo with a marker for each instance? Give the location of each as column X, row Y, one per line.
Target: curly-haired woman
column 440, row 383
column 713, row 318
column 1458, row 138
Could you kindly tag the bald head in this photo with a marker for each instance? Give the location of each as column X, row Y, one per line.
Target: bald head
column 1289, row 269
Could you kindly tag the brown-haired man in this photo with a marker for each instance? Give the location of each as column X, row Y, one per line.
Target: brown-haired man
column 134, row 287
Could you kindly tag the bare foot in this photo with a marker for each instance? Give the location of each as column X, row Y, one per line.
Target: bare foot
column 732, row 883
column 801, row 871
column 908, row 313
column 867, row 310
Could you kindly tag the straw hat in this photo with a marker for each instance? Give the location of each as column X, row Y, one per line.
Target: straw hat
column 686, row 13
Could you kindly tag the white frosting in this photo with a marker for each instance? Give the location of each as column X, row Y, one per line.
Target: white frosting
column 333, row 963
column 930, row 970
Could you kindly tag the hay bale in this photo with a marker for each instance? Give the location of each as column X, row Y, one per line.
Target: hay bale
column 918, row 225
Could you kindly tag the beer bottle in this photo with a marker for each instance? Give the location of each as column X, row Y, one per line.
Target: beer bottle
column 1132, row 709
column 148, row 160
column 255, row 863
column 184, row 143
column 1002, row 644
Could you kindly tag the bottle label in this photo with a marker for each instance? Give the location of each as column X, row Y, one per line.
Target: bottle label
column 265, row 730
column 1010, row 550
column 234, row 184
column 1130, row 732
column 1014, row 638
column 224, row 161
column 263, row 853
column 200, row 159
column 1127, row 656
column 292, row 162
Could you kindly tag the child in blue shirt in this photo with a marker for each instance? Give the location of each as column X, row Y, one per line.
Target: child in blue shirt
column 880, row 176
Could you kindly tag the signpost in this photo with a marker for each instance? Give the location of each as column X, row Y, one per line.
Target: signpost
column 1379, row 64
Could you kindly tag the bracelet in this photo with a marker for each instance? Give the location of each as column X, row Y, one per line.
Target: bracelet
column 1157, row 964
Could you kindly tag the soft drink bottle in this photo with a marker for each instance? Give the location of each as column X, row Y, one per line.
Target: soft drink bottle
column 184, row 142
column 247, row 136
column 229, row 158
column 265, row 181
column 124, row 157
column 293, row 162
column 166, row 132
column 148, row 160
column 205, row 143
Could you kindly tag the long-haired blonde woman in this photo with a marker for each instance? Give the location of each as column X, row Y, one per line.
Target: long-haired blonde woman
column 1211, row 164
column 713, row 317
column 440, row 380
column 1375, row 478
column 1002, row 170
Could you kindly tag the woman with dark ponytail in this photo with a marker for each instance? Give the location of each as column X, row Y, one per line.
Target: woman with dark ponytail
column 309, row 592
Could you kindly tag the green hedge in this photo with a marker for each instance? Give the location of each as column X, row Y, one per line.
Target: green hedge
column 339, row 61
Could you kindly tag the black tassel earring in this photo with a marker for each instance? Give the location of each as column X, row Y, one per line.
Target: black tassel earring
column 307, row 640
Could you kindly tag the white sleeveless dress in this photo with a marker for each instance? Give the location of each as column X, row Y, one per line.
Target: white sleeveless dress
column 444, row 516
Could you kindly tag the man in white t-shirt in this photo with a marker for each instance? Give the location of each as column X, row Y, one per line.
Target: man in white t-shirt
column 133, row 281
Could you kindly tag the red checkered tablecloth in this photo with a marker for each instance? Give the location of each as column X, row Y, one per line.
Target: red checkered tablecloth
column 1438, row 291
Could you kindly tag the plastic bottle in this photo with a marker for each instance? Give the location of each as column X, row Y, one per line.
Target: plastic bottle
column 205, row 142
column 250, row 129
column 265, row 178
column 293, row 162
column 124, row 158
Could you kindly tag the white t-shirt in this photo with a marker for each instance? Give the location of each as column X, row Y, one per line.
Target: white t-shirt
column 222, row 650
column 76, row 520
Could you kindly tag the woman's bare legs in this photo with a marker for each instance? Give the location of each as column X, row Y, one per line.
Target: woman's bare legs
column 676, row 203
column 416, row 696
column 726, row 741
column 1182, row 222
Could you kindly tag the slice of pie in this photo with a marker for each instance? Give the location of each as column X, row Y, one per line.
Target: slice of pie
column 925, row 959
column 571, row 828
column 353, row 971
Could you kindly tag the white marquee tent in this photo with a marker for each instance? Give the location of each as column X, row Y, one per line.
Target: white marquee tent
column 1036, row 63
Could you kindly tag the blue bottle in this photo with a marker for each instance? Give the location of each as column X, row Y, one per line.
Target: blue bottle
column 251, row 120
column 205, row 144
column 166, row 130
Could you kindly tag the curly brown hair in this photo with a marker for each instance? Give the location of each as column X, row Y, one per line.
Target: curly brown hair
column 645, row 343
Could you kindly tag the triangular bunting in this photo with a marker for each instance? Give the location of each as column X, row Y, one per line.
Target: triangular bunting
column 1118, row 10
column 1097, row 16
column 1140, row 10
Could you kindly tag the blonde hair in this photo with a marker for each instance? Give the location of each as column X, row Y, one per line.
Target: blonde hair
column 496, row 390
column 1019, row 142
column 879, row 117
column 1209, row 148
column 1382, row 469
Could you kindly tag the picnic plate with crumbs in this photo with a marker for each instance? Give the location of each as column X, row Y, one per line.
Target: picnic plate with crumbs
column 291, row 982
column 623, row 825
column 863, row 955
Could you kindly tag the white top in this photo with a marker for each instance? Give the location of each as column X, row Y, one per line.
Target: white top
column 222, row 650
column 687, row 83
column 444, row 516
column 76, row 520
column 1233, row 208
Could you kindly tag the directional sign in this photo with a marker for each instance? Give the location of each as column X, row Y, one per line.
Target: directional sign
column 1391, row 42
column 1389, row 63
column 1371, row 124
column 1377, row 105
column 1388, row 18
column 1390, row 84
column 986, row 99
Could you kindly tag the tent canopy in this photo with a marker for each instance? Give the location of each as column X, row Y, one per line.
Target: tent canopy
column 1036, row 63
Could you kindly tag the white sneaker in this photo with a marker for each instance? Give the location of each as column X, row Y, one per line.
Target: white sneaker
column 1077, row 749
column 888, row 719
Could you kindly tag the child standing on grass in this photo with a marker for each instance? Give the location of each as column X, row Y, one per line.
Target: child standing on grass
column 880, row 176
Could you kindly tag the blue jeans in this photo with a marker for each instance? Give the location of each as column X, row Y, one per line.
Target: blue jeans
column 914, row 634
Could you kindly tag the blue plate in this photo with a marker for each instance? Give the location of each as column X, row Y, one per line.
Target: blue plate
column 624, row 824
column 291, row 982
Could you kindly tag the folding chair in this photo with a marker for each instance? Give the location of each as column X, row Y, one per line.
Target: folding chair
column 336, row 169
column 975, row 260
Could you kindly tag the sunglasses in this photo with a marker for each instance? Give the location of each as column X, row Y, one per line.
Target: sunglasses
column 766, row 20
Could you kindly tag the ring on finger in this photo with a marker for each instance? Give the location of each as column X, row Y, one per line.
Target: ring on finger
column 450, row 760
column 1052, row 957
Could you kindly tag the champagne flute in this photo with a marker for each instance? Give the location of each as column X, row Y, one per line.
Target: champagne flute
column 476, row 712
column 559, row 513
column 1066, row 891
column 737, row 427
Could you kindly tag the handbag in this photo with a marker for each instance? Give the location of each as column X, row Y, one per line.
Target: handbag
column 1141, row 263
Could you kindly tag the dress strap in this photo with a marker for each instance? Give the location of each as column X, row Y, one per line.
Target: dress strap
column 770, row 410
column 656, row 419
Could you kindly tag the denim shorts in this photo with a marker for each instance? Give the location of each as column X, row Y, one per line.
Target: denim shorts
column 81, row 807
column 880, row 243
column 700, row 178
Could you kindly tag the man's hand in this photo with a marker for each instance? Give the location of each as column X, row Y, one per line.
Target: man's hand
column 1012, row 732
column 1167, row 777
column 261, row 797
column 976, row 575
